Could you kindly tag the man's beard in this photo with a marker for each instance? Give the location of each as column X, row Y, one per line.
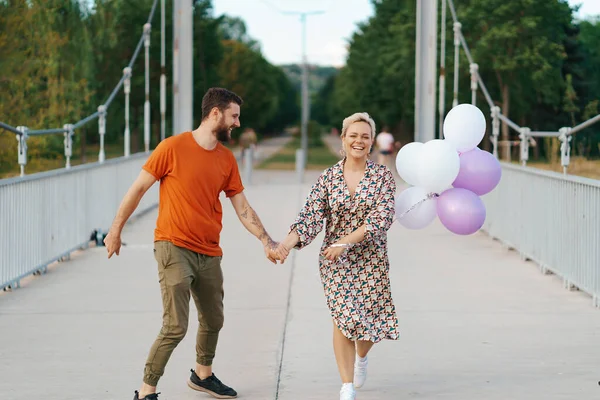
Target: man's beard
column 223, row 133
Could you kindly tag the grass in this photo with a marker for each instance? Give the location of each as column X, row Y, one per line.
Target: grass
column 319, row 157
column 578, row 166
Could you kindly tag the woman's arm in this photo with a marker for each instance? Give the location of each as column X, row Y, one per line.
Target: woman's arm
column 376, row 224
column 309, row 222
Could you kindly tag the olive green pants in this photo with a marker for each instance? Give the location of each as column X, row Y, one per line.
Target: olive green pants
column 182, row 272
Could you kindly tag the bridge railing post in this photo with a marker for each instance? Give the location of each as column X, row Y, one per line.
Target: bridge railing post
column 68, row 144
column 127, row 89
column 300, row 164
column 147, row 28
column 101, row 132
column 248, row 158
column 495, row 129
column 524, row 135
column 457, row 32
column 565, row 147
column 474, row 70
column 22, row 148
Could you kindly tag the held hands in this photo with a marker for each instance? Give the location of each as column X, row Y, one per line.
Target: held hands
column 280, row 251
column 275, row 251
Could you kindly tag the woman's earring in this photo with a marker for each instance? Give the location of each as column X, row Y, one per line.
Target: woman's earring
column 342, row 153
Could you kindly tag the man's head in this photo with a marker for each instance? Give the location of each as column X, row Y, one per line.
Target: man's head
column 221, row 110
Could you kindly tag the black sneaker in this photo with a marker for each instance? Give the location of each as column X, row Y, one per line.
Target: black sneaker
column 153, row 396
column 211, row 385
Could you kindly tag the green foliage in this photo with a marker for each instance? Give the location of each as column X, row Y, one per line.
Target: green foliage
column 379, row 75
column 525, row 50
column 314, row 131
column 61, row 59
column 588, row 143
column 519, row 46
column 318, row 158
column 321, row 105
column 251, row 82
column 45, row 70
column 317, row 76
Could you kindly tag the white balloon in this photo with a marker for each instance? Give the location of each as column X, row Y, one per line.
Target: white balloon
column 439, row 164
column 419, row 217
column 407, row 162
column 464, row 127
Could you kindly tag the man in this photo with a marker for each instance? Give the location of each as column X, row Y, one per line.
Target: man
column 193, row 168
column 385, row 145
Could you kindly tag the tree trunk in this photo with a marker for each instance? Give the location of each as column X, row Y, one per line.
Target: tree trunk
column 486, row 143
column 505, row 111
column 404, row 136
column 156, row 129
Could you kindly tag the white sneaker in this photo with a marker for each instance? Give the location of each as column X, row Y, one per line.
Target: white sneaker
column 360, row 372
column 347, row 392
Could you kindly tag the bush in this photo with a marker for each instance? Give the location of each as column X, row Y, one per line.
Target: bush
column 314, row 133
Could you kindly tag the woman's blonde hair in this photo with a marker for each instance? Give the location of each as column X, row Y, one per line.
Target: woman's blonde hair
column 358, row 117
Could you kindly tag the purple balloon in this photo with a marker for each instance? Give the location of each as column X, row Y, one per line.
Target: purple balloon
column 479, row 172
column 461, row 211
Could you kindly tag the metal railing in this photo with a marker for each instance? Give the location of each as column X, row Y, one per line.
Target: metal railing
column 526, row 135
column 68, row 130
column 552, row 220
column 47, row 216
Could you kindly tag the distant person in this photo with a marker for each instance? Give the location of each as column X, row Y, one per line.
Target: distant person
column 248, row 140
column 193, row 169
column 385, row 145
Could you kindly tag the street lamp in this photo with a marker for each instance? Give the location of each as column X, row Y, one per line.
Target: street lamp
column 305, row 99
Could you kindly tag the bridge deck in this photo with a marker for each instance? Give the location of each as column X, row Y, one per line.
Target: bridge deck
column 476, row 321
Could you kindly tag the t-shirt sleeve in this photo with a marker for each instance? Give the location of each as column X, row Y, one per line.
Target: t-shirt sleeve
column 233, row 185
column 159, row 164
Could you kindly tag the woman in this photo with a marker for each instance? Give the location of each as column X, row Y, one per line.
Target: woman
column 356, row 197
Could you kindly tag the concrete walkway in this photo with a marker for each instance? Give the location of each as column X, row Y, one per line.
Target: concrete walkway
column 265, row 148
column 476, row 321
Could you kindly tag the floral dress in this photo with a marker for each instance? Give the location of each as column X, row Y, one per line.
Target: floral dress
column 357, row 285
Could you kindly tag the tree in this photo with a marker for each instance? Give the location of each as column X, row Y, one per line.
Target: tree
column 288, row 102
column 67, row 66
column 47, row 69
column 321, row 105
column 246, row 72
column 589, row 38
column 379, row 75
column 570, row 100
column 520, row 43
column 208, row 53
column 234, row 28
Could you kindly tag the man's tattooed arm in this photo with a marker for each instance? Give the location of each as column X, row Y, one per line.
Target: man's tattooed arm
column 250, row 220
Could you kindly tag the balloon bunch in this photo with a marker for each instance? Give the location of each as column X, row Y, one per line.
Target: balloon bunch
column 448, row 176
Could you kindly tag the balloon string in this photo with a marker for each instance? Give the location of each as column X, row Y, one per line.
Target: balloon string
column 429, row 197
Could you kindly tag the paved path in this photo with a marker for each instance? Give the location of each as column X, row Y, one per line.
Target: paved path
column 265, row 149
column 476, row 321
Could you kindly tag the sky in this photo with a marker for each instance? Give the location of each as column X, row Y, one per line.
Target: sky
column 327, row 34
column 281, row 35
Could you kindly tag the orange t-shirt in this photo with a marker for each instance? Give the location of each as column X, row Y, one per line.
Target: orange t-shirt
column 191, row 180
